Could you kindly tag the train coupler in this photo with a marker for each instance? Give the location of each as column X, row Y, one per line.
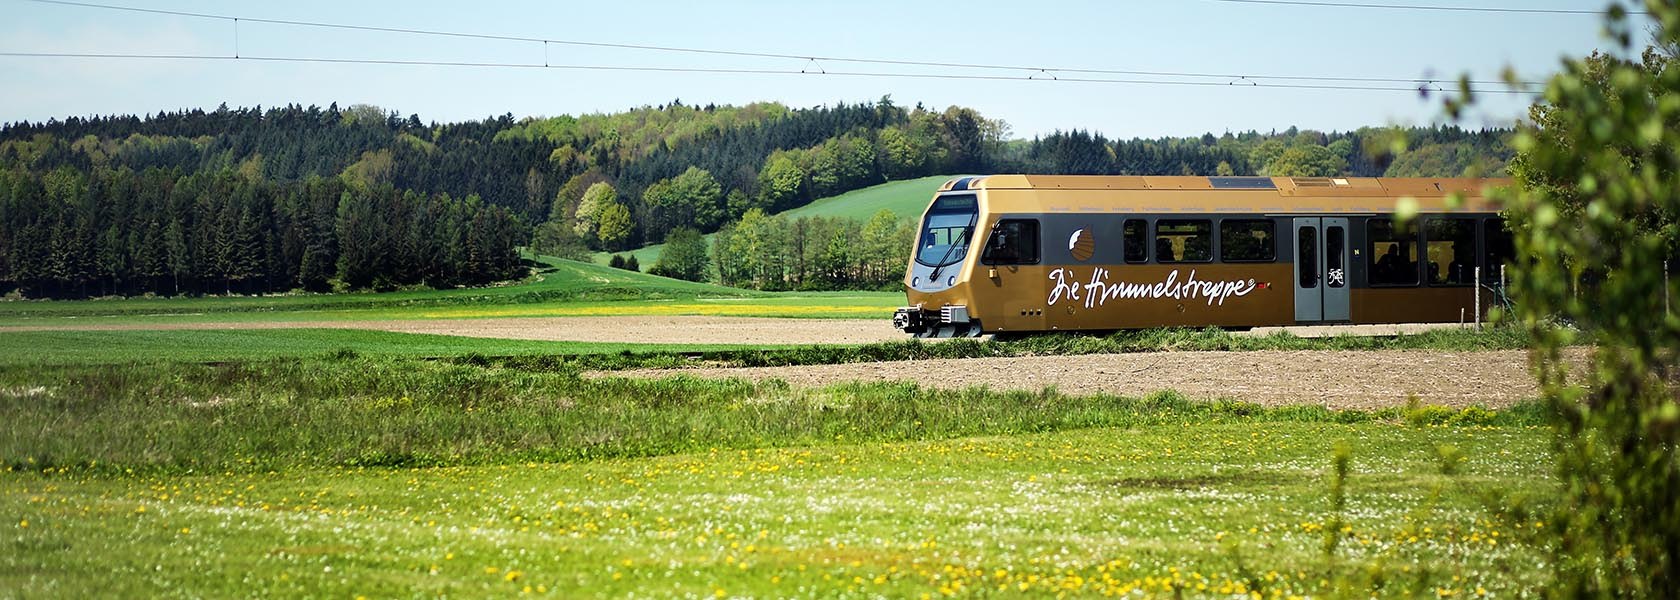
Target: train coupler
column 948, row 321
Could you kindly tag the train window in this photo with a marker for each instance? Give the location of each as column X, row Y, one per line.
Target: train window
column 1499, row 249
column 1013, row 242
column 1450, row 245
column 1183, row 240
column 1247, row 240
column 1306, row 257
column 949, row 225
column 1136, row 234
column 1392, row 250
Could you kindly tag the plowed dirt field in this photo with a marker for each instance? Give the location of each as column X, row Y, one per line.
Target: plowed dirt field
column 1337, row 379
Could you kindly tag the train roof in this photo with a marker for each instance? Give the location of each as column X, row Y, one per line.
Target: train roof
column 1267, row 194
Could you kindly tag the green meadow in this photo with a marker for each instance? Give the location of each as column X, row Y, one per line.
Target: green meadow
column 1226, row 510
column 904, row 199
column 353, row 476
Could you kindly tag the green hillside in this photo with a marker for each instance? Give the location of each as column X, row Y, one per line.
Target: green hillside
column 906, row 199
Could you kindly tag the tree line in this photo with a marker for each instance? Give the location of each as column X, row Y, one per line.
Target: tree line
column 1442, row 151
column 772, row 252
column 64, row 234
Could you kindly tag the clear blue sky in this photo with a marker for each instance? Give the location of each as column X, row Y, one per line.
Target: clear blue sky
column 1162, row 35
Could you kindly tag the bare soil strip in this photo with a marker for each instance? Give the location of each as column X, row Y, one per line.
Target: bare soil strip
column 1337, row 379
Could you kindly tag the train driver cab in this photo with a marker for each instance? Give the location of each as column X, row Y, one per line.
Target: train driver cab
column 942, row 248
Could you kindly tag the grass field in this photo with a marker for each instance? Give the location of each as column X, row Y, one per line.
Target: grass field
column 1220, row 510
column 113, row 347
column 393, row 477
column 906, row 199
column 561, row 288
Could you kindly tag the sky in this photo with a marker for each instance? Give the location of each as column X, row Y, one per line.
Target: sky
column 1180, row 36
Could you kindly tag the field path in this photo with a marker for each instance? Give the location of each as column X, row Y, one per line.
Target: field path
column 1338, row 379
column 629, row 329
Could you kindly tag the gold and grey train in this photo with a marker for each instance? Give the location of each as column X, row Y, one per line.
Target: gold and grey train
column 1068, row 253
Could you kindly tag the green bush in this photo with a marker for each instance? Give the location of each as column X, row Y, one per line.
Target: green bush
column 1594, row 216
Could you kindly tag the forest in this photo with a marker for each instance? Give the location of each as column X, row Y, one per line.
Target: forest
column 254, row 200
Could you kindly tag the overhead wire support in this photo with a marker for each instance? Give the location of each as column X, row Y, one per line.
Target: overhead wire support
column 806, row 58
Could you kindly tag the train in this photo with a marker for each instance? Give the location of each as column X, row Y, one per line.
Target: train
column 1009, row 254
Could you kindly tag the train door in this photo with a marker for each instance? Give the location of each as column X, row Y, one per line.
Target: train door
column 1321, row 278
column 1008, row 275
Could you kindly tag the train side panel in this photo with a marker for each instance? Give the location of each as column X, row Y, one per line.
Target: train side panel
column 1104, row 297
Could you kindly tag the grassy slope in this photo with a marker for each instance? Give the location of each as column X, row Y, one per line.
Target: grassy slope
column 563, row 288
column 906, row 199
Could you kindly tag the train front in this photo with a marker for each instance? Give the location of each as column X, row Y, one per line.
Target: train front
column 936, row 282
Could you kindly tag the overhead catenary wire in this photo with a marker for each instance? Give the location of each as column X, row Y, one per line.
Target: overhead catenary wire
column 1425, row 87
column 1039, row 71
column 1428, row 7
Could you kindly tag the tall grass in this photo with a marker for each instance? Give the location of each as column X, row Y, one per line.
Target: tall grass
column 355, row 410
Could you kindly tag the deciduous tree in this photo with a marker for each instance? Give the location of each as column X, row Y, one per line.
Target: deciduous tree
column 684, row 256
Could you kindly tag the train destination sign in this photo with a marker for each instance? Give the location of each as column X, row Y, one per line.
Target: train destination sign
column 1097, row 290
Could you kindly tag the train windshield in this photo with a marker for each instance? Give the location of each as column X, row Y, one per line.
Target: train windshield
column 946, row 231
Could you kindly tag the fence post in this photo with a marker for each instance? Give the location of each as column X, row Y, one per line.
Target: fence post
column 1478, row 279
